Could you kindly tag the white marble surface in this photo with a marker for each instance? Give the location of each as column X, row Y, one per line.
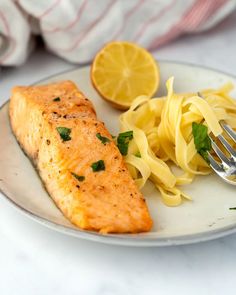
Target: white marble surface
column 35, row 260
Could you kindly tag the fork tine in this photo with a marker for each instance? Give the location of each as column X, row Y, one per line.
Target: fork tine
column 227, row 146
column 229, row 131
column 214, row 164
column 219, row 153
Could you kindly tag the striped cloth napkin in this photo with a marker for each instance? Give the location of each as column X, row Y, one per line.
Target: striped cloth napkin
column 76, row 29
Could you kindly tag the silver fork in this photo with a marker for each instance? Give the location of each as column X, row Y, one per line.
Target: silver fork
column 226, row 166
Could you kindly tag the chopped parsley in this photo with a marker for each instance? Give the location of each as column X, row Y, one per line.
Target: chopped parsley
column 64, row 133
column 201, row 140
column 123, row 140
column 98, row 166
column 103, row 139
column 78, row 177
column 56, row 99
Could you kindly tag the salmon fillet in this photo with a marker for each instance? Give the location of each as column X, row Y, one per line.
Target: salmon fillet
column 57, row 127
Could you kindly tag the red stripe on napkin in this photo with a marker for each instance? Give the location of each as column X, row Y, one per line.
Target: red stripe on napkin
column 152, row 20
column 48, row 10
column 90, row 28
column 8, row 33
column 193, row 19
column 127, row 16
column 71, row 24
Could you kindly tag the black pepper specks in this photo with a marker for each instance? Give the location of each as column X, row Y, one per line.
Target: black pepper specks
column 101, row 187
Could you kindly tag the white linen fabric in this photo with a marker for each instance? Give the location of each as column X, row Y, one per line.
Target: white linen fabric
column 76, row 29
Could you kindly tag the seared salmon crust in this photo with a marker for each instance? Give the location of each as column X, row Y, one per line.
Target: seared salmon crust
column 77, row 160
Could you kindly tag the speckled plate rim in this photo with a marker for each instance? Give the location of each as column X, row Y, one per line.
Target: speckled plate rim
column 126, row 240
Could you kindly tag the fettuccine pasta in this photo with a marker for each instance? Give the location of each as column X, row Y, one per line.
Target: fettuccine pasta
column 162, row 136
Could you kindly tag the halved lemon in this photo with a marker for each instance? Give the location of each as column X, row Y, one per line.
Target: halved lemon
column 121, row 71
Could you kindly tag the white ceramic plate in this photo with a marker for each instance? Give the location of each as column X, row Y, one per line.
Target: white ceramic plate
column 206, row 217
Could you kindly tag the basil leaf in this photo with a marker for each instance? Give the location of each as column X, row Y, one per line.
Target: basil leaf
column 201, row 140
column 103, row 139
column 98, row 166
column 78, row 177
column 123, row 140
column 64, row 133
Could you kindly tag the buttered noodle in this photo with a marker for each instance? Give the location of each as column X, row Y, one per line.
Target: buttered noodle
column 162, row 136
